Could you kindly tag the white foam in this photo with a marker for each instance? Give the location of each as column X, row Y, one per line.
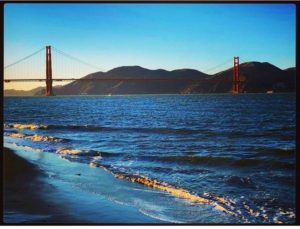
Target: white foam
column 26, row 148
column 35, row 138
column 25, row 126
column 214, row 201
column 159, row 217
column 78, row 152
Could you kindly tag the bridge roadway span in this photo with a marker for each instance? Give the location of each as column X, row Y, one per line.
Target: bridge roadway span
column 108, row 79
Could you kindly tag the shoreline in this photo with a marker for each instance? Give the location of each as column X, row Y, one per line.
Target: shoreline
column 167, row 94
column 23, row 199
column 31, row 197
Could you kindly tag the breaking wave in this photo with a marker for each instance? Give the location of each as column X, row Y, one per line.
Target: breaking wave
column 157, row 130
column 101, row 128
column 218, row 203
column 225, row 205
column 25, row 126
column 35, row 137
column 129, row 129
column 82, row 152
column 221, row 204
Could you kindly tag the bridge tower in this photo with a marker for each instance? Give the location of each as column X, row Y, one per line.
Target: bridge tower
column 235, row 82
column 48, row 72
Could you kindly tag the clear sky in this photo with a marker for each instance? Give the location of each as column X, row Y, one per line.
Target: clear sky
column 168, row 36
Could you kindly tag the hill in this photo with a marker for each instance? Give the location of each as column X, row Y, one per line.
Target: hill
column 12, row 92
column 255, row 77
column 147, row 82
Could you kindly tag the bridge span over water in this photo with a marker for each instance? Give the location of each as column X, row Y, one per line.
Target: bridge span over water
column 14, row 73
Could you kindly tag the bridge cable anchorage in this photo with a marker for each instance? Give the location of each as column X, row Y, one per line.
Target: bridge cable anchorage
column 76, row 59
column 219, row 65
column 25, row 58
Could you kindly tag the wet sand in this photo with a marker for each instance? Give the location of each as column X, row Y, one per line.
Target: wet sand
column 30, row 198
column 23, row 197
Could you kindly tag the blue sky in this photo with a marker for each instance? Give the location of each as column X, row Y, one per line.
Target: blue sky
column 169, row 36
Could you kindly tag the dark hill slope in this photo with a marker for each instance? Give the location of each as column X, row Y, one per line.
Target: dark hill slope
column 254, row 76
column 147, row 82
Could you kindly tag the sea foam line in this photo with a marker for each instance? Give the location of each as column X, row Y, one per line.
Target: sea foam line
column 174, row 191
column 25, row 126
column 35, row 137
column 218, row 203
column 215, row 202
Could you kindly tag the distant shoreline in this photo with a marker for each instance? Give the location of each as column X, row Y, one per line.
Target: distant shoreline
column 254, row 77
column 252, row 93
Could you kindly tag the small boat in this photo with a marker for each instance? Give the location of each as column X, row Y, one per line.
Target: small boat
column 269, row 92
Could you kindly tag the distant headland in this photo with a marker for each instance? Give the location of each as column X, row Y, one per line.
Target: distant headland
column 255, row 77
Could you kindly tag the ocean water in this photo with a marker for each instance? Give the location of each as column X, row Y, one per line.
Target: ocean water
column 175, row 158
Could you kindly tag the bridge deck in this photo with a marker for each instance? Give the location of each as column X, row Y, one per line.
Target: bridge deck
column 107, row 79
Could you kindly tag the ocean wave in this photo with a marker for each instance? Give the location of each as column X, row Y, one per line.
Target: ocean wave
column 209, row 160
column 78, row 152
column 133, row 129
column 154, row 130
column 83, row 152
column 276, row 151
column 35, row 137
column 25, row 126
column 27, row 148
column 104, row 128
column 240, row 181
column 263, row 162
column 219, row 203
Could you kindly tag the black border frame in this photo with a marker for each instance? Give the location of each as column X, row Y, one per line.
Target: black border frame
column 297, row 93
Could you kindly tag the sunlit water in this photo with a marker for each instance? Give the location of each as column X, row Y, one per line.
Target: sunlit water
column 239, row 148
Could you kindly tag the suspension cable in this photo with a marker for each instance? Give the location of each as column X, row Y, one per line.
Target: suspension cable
column 245, row 60
column 217, row 66
column 7, row 66
column 76, row 59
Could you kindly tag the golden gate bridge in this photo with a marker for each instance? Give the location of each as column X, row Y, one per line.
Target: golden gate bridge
column 12, row 71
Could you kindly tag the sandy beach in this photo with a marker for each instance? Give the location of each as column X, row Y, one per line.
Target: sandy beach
column 24, row 201
column 32, row 197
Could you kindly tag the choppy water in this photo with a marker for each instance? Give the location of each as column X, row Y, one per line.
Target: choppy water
column 202, row 158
